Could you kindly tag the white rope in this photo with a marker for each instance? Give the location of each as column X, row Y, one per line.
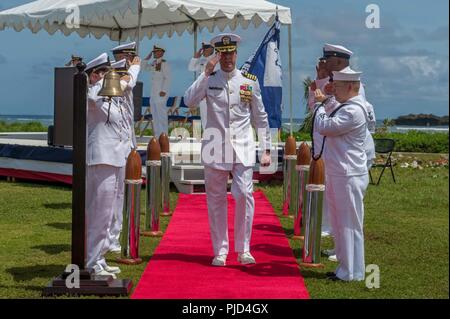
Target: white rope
column 133, row 181
column 153, row 163
column 304, row 168
column 315, row 188
column 165, row 154
column 290, row 157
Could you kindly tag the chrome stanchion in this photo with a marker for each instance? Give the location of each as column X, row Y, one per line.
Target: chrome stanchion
column 313, row 214
column 153, row 190
column 129, row 238
column 302, row 168
column 289, row 176
column 165, row 174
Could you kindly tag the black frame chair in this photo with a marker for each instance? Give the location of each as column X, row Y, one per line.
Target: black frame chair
column 384, row 146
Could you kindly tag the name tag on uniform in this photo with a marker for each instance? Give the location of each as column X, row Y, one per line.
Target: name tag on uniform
column 215, row 88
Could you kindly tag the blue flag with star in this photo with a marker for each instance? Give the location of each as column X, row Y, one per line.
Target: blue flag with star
column 265, row 63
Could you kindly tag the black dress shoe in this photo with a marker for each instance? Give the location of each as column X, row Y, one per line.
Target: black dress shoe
column 334, row 278
column 331, row 274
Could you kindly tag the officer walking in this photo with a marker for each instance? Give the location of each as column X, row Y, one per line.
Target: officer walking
column 160, row 85
column 234, row 102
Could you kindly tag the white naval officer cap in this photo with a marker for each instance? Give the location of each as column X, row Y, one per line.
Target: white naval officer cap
column 119, row 64
column 157, row 47
column 226, row 42
column 347, row 75
column 99, row 62
column 330, row 50
column 125, row 48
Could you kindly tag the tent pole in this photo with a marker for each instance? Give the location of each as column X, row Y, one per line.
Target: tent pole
column 290, row 77
column 138, row 40
column 195, row 44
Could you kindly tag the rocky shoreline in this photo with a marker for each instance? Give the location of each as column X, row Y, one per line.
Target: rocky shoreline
column 421, row 120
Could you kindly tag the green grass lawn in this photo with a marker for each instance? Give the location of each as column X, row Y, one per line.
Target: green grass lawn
column 406, row 230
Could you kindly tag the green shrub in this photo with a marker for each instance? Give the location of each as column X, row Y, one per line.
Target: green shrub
column 33, row 126
column 417, row 141
column 410, row 141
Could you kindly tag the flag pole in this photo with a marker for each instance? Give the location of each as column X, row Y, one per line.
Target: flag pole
column 290, row 77
column 195, row 44
column 138, row 40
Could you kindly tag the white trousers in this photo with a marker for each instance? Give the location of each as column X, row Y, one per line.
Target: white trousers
column 101, row 189
column 345, row 195
column 116, row 227
column 159, row 113
column 203, row 107
column 216, row 194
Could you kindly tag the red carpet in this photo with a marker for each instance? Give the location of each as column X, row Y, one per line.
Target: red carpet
column 180, row 267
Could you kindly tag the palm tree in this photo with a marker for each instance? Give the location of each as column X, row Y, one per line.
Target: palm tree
column 306, row 126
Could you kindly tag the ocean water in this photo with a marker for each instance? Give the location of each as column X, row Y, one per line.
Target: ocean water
column 296, row 123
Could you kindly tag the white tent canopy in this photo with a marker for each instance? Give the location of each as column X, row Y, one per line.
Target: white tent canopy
column 119, row 19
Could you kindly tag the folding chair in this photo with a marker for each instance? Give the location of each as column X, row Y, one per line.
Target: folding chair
column 193, row 114
column 384, row 146
column 145, row 118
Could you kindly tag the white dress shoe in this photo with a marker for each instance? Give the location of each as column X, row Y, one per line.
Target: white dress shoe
column 329, row 252
column 103, row 272
column 332, row 258
column 246, row 258
column 220, row 260
column 112, row 269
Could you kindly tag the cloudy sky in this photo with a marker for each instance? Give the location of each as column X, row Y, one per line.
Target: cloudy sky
column 405, row 62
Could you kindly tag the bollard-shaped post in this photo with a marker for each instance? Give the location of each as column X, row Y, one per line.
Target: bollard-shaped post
column 289, row 176
column 165, row 174
column 302, row 168
column 129, row 238
column 313, row 214
column 153, row 190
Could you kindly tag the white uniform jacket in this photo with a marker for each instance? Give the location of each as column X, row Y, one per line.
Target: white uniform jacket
column 198, row 64
column 127, row 103
column 370, row 118
column 234, row 103
column 160, row 77
column 107, row 143
column 346, row 134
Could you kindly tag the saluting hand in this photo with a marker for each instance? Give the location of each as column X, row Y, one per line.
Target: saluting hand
column 136, row 61
column 210, row 66
column 198, row 53
column 319, row 96
column 148, row 57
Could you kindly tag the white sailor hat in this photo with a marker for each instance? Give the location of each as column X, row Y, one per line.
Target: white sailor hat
column 330, row 50
column 347, row 75
column 125, row 48
column 225, row 42
column 101, row 61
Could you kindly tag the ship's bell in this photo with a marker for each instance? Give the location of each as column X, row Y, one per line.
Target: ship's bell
column 111, row 85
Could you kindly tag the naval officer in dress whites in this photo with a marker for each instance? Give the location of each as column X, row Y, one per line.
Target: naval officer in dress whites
column 234, row 102
column 198, row 64
column 160, row 86
column 128, row 67
column 347, row 178
column 107, row 147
